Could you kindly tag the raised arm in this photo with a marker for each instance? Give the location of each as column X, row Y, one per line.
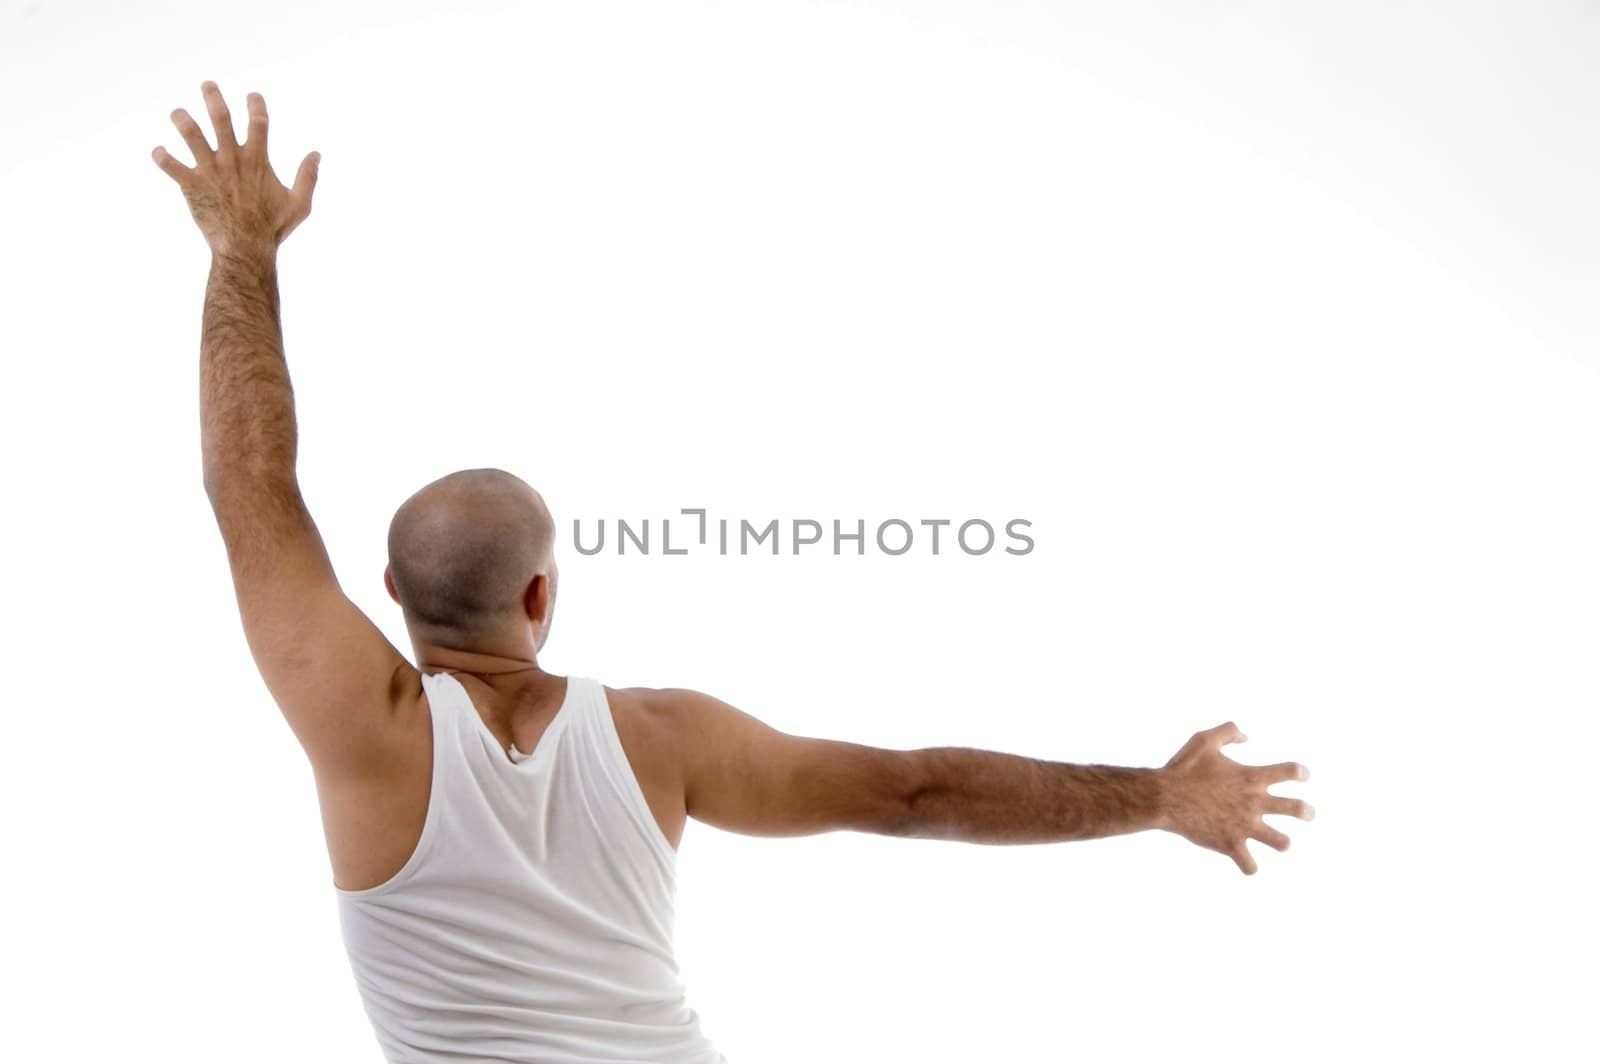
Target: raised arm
column 332, row 673
column 744, row 776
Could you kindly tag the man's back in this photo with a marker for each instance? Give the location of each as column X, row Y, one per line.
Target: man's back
column 533, row 917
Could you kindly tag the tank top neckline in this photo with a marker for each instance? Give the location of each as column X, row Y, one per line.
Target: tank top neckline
column 541, row 748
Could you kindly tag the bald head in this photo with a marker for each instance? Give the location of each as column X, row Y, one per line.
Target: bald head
column 462, row 552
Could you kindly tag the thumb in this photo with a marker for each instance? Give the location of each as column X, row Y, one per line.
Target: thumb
column 1223, row 734
column 305, row 180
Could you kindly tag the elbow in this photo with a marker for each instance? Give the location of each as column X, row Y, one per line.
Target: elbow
column 901, row 821
column 909, row 810
column 213, row 484
column 220, row 479
column 227, row 482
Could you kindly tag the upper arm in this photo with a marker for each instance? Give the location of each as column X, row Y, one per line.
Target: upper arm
column 333, row 674
column 742, row 775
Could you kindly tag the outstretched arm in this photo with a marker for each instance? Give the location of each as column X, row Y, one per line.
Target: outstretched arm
column 331, row 671
column 744, row 776
column 1208, row 798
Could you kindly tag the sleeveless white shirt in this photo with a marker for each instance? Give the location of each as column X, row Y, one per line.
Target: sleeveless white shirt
column 533, row 922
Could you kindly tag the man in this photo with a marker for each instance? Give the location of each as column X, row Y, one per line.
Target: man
column 503, row 839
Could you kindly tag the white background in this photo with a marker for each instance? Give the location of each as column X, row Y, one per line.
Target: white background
column 1277, row 321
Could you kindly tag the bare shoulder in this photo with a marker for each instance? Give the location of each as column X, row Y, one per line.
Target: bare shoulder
column 661, row 727
column 665, row 710
column 396, row 734
column 674, row 722
column 374, row 805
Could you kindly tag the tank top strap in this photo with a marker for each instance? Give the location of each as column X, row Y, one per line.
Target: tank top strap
column 601, row 746
column 444, row 698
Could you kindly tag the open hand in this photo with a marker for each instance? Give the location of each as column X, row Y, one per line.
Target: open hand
column 1215, row 802
column 232, row 192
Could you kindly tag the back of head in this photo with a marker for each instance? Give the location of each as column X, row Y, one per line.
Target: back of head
column 463, row 551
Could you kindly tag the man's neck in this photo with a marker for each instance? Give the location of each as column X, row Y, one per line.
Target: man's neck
column 432, row 659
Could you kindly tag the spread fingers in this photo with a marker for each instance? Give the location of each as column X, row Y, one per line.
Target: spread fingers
column 193, row 136
column 227, row 146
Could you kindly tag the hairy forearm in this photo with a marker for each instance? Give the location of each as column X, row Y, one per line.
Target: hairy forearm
column 247, row 423
column 982, row 796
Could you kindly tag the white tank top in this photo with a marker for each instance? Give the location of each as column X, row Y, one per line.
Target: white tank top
column 533, row 922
